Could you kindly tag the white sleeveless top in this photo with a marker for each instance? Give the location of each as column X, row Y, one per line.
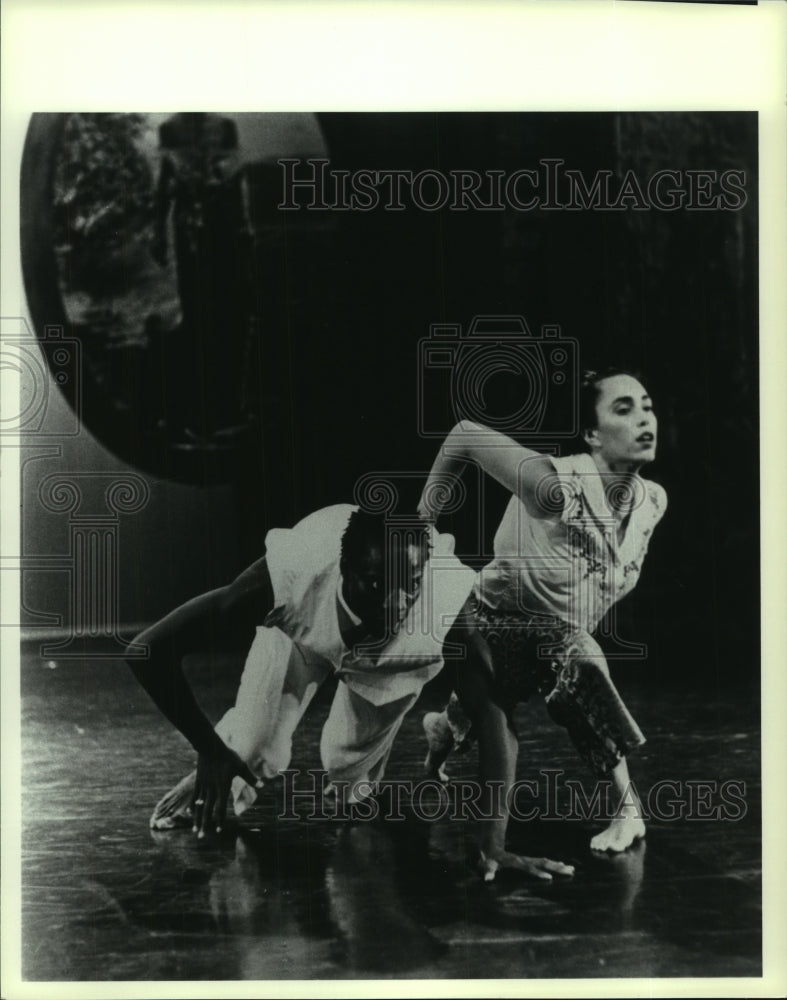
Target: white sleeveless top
column 303, row 563
column 570, row 565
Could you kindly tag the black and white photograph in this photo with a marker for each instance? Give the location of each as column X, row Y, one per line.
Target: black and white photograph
column 390, row 550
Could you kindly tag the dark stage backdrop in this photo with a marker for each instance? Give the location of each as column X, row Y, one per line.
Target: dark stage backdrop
column 341, row 302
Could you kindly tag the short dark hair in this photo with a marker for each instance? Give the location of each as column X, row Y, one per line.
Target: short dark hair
column 366, row 528
column 589, row 391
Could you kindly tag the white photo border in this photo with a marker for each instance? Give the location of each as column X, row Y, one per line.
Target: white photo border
column 541, row 55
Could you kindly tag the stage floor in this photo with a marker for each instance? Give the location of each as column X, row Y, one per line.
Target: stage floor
column 105, row 899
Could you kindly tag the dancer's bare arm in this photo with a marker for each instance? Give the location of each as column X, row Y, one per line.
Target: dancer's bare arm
column 498, row 747
column 527, row 474
column 218, row 619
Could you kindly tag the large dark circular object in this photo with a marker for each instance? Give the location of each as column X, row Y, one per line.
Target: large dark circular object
column 144, row 238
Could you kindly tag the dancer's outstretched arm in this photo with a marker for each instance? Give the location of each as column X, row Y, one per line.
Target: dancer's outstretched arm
column 219, row 618
column 526, row 473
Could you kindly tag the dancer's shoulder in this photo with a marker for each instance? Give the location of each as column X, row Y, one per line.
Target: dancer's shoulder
column 657, row 496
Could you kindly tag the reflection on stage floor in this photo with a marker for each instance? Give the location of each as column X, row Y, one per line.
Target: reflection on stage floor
column 325, row 898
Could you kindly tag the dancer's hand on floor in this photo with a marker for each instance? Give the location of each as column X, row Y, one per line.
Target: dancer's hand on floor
column 216, row 767
column 540, row 868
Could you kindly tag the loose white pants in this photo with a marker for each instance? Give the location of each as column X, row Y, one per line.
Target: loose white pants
column 278, row 683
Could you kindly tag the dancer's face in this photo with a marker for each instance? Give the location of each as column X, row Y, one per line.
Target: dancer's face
column 625, row 433
column 382, row 591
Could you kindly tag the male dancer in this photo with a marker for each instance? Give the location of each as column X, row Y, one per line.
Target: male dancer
column 341, row 592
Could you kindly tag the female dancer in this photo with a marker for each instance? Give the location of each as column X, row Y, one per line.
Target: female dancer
column 571, row 543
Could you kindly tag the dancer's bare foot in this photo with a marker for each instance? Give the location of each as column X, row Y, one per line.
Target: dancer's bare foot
column 174, row 810
column 621, row 833
column 626, row 826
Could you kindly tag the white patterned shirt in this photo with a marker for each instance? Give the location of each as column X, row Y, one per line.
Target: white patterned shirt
column 572, row 565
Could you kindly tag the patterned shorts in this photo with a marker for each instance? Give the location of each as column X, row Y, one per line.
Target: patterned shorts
column 566, row 666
